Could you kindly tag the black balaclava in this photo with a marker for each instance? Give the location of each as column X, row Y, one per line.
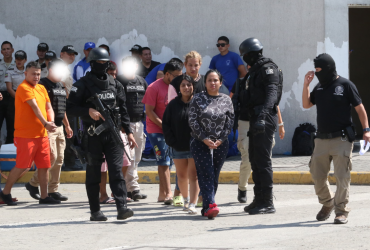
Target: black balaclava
column 99, row 69
column 252, row 57
column 328, row 71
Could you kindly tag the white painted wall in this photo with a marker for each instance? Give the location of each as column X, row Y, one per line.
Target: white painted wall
column 292, row 32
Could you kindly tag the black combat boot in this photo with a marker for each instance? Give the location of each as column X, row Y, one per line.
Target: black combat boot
column 266, row 206
column 136, row 195
column 124, row 213
column 256, row 201
column 98, row 216
column 242, row 196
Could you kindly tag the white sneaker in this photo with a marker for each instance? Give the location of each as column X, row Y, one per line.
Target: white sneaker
column 192, row 209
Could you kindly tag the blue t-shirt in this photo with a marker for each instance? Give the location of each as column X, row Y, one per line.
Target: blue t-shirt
column 228, row 67
column 152, row 76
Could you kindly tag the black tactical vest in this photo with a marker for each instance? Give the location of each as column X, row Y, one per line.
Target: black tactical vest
column 135, row 92
column 256, row 90
column 107, row 92
column 57, row 95
column 107, row 95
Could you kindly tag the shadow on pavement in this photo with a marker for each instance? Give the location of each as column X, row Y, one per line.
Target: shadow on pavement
column 295, row 224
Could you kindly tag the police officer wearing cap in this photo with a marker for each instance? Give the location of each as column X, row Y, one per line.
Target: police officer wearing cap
column 68, row 55
column 7, row 62
column 42, row 48
column 50, row 55
column 58, row 100
column 14, row 76
column 262, row 98
column 111, row 94
column 334, row 97
column 136, row 52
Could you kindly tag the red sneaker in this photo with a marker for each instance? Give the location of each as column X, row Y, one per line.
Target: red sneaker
column 212, row 211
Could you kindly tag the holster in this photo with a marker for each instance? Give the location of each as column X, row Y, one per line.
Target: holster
column 350, row 132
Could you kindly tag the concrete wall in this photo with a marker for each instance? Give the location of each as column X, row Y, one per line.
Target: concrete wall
column 292, row 32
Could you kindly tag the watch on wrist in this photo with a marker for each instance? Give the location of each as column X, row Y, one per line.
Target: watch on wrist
column 366, row 129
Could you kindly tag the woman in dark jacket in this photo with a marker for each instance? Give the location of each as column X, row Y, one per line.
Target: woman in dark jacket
column 176, row 132
column 211, row 119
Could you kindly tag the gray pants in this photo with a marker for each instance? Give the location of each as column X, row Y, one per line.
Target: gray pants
column 132, row 177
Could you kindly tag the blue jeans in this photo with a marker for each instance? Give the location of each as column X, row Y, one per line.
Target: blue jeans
column 161, row 151
column 177, row 155
column 160, row 148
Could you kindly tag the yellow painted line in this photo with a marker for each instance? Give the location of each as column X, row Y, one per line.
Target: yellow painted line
column 226, row 177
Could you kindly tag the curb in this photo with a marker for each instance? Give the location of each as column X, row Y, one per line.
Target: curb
column 226, row 177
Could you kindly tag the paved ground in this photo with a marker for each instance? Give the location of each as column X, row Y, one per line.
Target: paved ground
column 155, row 226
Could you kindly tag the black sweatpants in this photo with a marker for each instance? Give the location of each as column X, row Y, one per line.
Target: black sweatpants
column 260, row 146
column 9, row 119
column 97, row 146
column 208, row 168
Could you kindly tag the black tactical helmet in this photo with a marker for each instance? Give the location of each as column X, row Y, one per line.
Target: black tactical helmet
column 98, row 54
column 249, row 45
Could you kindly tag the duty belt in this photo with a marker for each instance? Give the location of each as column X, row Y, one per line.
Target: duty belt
column 341, row 133
column 136, row 119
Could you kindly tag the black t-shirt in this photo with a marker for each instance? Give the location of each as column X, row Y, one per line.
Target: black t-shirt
column 144, row 71
column 334, row 103
column 198, row 84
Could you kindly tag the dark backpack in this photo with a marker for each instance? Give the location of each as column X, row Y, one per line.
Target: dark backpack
column 302, row 140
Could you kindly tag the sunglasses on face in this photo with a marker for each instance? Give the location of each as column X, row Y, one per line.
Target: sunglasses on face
column 221, row 44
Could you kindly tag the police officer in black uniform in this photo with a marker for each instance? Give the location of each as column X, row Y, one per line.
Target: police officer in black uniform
column 334, row 97
column 262, row 99
column 96, row 146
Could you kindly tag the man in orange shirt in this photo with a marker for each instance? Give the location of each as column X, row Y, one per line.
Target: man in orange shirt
column 34, row 117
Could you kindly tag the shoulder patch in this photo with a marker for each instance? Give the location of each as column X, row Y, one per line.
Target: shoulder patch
column 74, row 89
column 269, row 71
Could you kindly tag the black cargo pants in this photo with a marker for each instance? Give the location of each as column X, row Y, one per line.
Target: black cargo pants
column 99, row 146
column 260, row 147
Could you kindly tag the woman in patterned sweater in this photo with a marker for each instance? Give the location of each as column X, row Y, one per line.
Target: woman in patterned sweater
column 211, row 118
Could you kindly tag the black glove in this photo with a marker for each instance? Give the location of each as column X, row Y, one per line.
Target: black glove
column 259, row 126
